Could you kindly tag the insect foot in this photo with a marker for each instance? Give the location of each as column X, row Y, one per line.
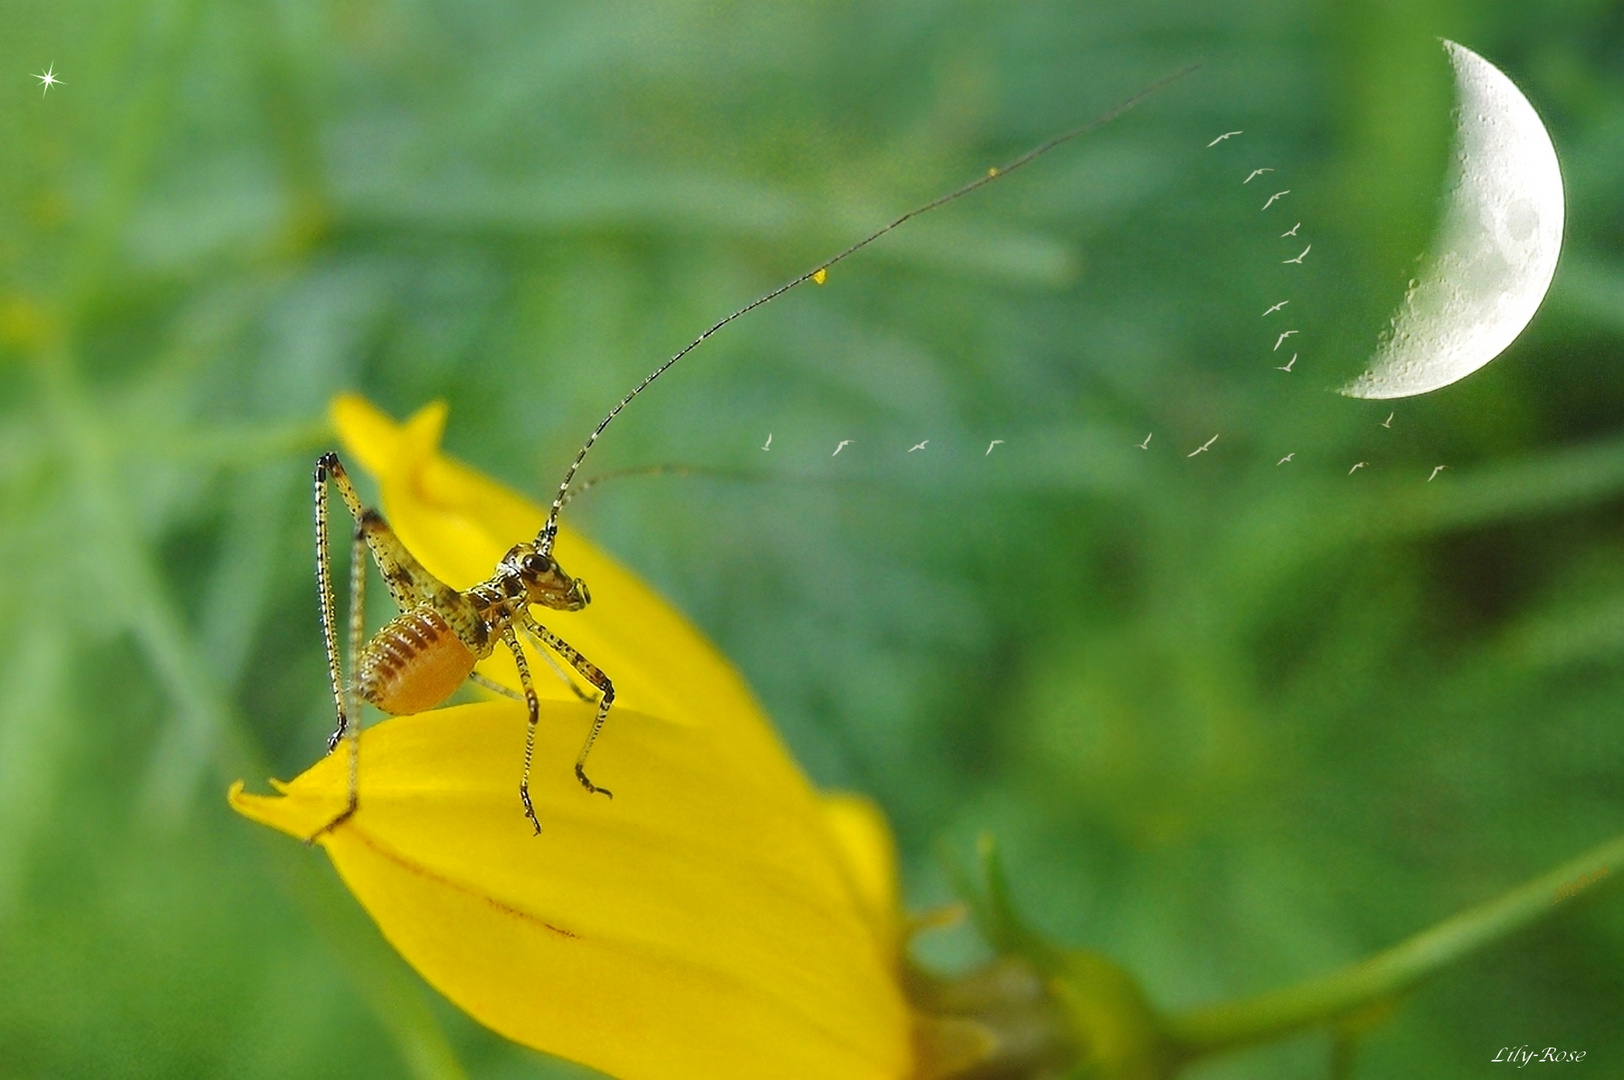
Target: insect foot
column 529, row 810
column 580, row 774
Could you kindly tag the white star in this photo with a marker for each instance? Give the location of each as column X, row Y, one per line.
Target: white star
column 48, row 79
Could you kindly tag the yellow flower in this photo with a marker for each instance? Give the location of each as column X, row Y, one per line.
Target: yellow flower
column 719, row 918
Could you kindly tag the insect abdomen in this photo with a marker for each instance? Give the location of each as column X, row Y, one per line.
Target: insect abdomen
column 413, row 663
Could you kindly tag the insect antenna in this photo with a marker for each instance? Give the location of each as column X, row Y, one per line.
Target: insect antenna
column 649, row 470
column 708, row 472
column 544, row 539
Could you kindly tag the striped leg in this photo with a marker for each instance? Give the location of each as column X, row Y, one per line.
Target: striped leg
column 511, row 640
column 592, row 674
column 348, row 726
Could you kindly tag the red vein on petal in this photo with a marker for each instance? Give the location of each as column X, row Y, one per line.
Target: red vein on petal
column 381, row 849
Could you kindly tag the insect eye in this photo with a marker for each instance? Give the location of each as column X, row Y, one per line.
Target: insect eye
column 537, row 564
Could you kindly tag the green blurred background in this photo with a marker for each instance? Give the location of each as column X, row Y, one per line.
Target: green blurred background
column 1234, row 723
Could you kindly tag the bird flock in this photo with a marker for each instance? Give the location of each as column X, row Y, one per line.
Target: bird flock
column 1277, row 308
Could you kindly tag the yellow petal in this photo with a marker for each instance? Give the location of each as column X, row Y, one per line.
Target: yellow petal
column 869, row 857
column 716, row 919
column 697, row 925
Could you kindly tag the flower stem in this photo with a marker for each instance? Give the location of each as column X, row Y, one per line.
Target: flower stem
column 1210, row 1029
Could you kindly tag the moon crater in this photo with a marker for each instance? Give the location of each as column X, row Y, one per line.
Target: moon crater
column 1496, row 247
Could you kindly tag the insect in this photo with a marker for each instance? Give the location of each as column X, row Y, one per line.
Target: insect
column 430, row 647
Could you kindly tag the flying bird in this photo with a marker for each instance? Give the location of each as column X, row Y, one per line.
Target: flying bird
column 1290, row 362
column 1285, row 459
column 1275, row 196
column 1292, row 231
column 924, row 444
column 1280, row 339
column 1146, row 444
column 1222, row 137
column 1436, row 471
column 768, row 445
column 1389, row 421
column 1299, row 259
column 1200, row 449
column 1357, row 467
column 1276, row 308
column 1256, row 173
column 843, row 444
column 995, row 442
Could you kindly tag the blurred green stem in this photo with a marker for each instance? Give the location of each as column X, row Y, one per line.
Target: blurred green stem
column 1215, row 1028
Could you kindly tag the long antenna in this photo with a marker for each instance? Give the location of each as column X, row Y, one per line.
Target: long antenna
column 544, row 539
column 650, row 470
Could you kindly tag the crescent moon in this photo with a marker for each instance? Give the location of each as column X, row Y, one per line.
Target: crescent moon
column 1496, row 248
